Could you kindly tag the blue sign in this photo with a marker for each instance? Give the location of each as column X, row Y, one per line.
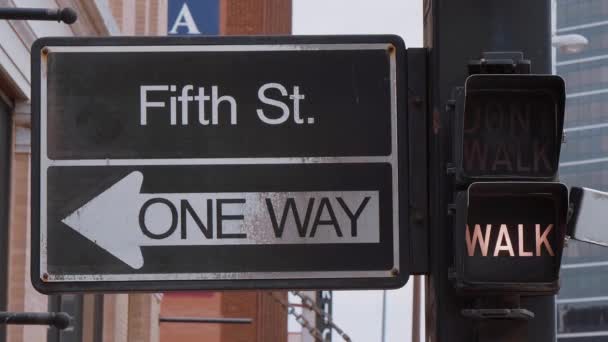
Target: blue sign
column 193, row 17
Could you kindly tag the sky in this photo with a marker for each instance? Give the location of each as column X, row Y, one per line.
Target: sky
column 359, row 313
column 402, row 17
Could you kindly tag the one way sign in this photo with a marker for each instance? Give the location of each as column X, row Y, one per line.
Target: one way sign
column 219, row 163
column 192, row 219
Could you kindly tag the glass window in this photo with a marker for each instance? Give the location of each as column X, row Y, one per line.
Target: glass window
column 72, row 305
column 583, row 282
column 585, row 144
column 587, row 76
column 87, row 314
column 591, row 175
column 581, row 252
column 578, row 12
column 582, row 317
column 586, row 110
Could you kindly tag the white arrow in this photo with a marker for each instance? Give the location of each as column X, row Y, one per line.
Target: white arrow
column 121, row 219
column 105, row 220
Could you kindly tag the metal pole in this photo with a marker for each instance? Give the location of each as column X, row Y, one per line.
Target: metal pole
column 205, row 320
column 67, row 15
column 456, row 32
column 383, row 334
column 324, row 312
column 416, row 309
column 59, row 320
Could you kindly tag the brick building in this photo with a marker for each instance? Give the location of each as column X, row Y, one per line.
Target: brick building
column 268, row 319
column 110, row 317
column 119, row 317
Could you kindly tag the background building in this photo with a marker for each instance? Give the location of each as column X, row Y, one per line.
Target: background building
column 268, row 318
column 116, row 317
column 582, row 304
column 97, row 318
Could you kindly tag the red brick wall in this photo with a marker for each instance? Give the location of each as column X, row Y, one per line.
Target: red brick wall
column 244, row 17
column 269, row 319
column 190, row 304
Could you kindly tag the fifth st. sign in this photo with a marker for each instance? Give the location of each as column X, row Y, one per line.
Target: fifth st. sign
column 219, row 163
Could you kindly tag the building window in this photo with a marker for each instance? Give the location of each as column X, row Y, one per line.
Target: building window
column 585, row 76
column 578, row 12
column 583, row 281
column 588, row 173
column 87, row 318
column 587, row 316
column 586, row 110
column 72, row 305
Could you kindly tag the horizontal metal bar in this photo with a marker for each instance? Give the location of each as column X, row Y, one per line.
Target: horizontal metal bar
column 59, row 320
column 581, row 300
column 205, row 320
column 580, row 60
column 583, row 162
column 587, row 93
column 585, row 264
column 586, row 127
column 582, row 27
column 67, row 15
column 583, row 334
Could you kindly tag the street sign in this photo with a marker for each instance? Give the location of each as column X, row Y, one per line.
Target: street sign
column 219, row 163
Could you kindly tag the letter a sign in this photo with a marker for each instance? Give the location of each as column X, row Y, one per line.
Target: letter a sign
column 190, row 17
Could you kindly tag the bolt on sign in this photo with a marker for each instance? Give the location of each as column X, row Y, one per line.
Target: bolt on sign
column 219, row 163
